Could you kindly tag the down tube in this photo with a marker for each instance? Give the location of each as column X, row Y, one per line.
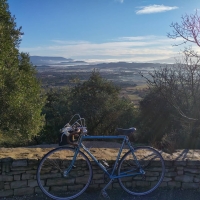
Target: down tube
column 105, row 137
column 96, row 161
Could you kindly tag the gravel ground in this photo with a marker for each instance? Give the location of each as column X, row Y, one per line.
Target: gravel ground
column 159, row 194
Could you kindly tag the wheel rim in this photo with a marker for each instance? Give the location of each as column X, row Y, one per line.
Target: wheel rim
column 51, row 169
column 153, row 165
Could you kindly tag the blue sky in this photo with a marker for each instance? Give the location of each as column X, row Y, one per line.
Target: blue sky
column 100, row 30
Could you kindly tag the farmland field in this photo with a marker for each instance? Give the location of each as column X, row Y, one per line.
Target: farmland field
column 125, row 75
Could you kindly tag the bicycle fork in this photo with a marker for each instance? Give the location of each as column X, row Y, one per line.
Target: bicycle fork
column 71, row 166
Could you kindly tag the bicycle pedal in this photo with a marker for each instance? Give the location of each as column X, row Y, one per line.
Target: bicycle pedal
column 105, row 194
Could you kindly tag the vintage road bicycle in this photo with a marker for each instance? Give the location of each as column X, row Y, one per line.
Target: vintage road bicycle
column 66, row 172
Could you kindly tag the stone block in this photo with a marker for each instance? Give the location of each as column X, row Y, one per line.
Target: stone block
column 180, row 172
column 7, row 186
column 193, row 171
column 59, row 188
column 18, row 184
column 51, row 176
column 17, row 177
column 6, row 160
column 168, row 163
column 1, row 185
column 20, row 163
column 163, row 184
column 21, row 168
column 32, row 171
column 170, row 170
column 174, row 184
column 75, row 187
column 144, row 183
column 193, row 163
column 180, row 168
column 82, row 180
column 171, row 174
column 148, row 173
column 116, row 185
column 94, row 186
column 15, row 172
column 167, row 179
column 6, row 178
column 151, row 178
column 33, row 183
column 6, row 193
column 60, row 181
column 184, row 178
column 5, row 168
column 190, row 185
column 98, row 176
column 125, row 179
column 98, row 181
column 39, row 191
column 33, row 162
column 27, row 176
column 23, row 191
column 180, row 163
column 110, row 187
column 196, row 180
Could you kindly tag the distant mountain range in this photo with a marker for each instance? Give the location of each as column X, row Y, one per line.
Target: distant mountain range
column 48, row 60
column 166, row 61
column 61, row 61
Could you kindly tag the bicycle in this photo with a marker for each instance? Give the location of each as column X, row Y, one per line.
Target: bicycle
column 66, row 172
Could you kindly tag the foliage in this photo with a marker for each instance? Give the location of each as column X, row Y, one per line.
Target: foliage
column 97, row 100
column 57, row 114
column 20, row 92
column 157, row 118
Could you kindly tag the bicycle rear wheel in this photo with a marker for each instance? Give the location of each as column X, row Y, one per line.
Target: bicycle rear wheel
column 51, row 178
column 136, row 182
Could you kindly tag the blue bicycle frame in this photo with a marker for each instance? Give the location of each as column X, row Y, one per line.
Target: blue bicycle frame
column 110, row 175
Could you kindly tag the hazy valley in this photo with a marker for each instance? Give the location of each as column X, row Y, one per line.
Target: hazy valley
column 59, row 72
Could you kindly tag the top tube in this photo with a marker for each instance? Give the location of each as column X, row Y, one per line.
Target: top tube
column 103, row 137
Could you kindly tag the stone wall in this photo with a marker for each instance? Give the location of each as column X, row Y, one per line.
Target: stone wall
column 18, row 176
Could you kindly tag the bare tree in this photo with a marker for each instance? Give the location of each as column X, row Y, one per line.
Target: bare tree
column 188, row 29
column 180, row 84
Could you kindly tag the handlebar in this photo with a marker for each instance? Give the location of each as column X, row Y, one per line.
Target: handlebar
column 75, row 130
column 78, row 128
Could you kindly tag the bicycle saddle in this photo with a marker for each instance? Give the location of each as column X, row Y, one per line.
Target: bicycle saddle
column 122, row 131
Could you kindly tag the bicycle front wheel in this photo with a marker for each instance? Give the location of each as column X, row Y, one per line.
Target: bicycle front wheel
column 143, row 173
column 60, row 178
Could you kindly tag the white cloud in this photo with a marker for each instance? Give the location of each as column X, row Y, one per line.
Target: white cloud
column 69, row 42
column 155, row 9
column 130, row 49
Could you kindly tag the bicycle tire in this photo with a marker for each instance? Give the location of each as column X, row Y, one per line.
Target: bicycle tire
column 51, row 179
column 153, row 165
